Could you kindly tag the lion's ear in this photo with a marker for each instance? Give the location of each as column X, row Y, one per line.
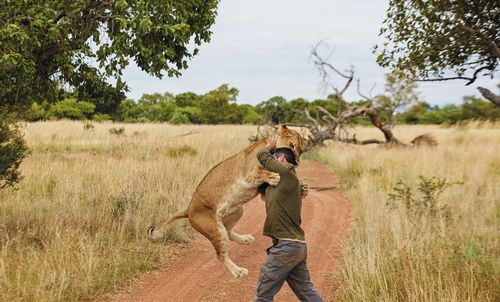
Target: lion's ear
column 282, row 127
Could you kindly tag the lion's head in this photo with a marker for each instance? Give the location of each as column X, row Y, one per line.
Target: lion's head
column 288, row 138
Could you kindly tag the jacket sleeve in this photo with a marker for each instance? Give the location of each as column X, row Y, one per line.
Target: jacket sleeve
column 270, row 163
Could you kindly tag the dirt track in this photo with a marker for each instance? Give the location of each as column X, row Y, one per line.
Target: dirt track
column 196, row 274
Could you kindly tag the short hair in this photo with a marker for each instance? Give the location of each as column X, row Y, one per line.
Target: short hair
column 288, row 153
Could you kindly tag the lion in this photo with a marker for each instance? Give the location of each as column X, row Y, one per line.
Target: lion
column 217, row 203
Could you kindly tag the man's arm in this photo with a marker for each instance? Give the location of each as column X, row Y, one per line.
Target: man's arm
column 270, row 163
column 267, row 159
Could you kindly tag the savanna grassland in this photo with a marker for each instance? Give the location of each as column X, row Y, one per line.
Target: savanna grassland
column 425, row 222
column 75, row 226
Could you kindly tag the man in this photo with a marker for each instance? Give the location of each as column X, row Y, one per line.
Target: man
column 287, row 255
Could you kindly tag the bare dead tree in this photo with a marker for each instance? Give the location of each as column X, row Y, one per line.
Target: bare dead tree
column 335, row 127
column 327, row 126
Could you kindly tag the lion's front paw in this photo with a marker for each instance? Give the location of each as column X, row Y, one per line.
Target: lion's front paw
column 274, row 179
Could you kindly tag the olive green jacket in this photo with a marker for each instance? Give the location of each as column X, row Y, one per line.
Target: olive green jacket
column 283, row 202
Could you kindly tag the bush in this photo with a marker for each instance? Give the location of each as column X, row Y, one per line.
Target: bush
column 71, row 109
column 426, row 200
column 181, row 150
column 13, row 150
column 87, row 125
column 117, row 131
column 101, row 117
column 38, row 112
column 179, row 118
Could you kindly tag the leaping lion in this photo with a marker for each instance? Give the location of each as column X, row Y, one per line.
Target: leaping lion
column 217, row 203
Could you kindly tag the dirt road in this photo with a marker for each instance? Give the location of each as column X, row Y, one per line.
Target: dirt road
column 196, row 274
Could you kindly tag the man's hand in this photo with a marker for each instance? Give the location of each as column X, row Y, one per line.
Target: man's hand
column 271, row 143
column 304, row 189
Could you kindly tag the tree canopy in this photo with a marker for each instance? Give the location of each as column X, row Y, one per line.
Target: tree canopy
column 48, row 45
column 441, row 39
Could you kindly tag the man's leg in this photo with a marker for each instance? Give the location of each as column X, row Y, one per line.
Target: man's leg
column 300, row 282
column 274, row 270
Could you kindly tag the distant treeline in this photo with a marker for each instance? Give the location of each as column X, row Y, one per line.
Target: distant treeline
column 219, row 107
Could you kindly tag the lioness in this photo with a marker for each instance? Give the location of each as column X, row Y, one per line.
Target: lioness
column 217, row 203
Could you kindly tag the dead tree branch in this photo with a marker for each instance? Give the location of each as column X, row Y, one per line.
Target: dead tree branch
column 327, row 126
column 490, row 96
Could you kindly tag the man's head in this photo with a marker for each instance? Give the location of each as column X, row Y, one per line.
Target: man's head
column 285, row 155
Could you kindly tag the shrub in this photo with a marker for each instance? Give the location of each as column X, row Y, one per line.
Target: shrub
column 87, row 125
column 37, row 112
column 13, row 150
column 179, row 118
column 71, row 109
column 117, row 131
column 101, row 117
column 181, row 150
column 425, row 201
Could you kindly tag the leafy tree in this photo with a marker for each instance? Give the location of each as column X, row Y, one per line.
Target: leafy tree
column 415, row 113
column 187, row 99
column 37, row 112
column 276, row 109
column 161, row 112
column 331, row 104
column 155, row 98
column 399, row 93
column 179, row 118
column 194, row 114
column 12, row 151
column 49, row 44
column 216, row 105
column 476, row 108
column 126, row 111
column 442, row 40
column 250, row 116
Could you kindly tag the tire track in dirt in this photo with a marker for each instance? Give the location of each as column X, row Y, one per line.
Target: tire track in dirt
column 197, row 275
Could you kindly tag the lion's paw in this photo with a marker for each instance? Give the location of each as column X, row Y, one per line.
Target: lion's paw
column 246, row 239
column 240, row 272
column 274, row 179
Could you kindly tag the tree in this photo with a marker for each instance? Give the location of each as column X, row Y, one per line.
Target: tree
column 179, row 118
column 47, row 45
column 187, row 99
column 276, row 109
column 71, row 109
column 12, row 151
column 216, row 105
column 399, row 93
column 439, row 40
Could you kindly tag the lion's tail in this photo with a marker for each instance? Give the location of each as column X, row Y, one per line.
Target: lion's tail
column 155, row 234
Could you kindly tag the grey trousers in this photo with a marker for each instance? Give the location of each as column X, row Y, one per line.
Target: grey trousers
column 286, row 262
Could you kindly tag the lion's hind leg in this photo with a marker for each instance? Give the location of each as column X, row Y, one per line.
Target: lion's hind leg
column 229, row 221
column 212, row 227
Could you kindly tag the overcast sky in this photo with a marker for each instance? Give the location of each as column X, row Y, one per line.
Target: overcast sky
column 262, row 48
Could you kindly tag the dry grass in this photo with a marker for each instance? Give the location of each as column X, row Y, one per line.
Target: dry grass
column 76, row 225
column 400, row 253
